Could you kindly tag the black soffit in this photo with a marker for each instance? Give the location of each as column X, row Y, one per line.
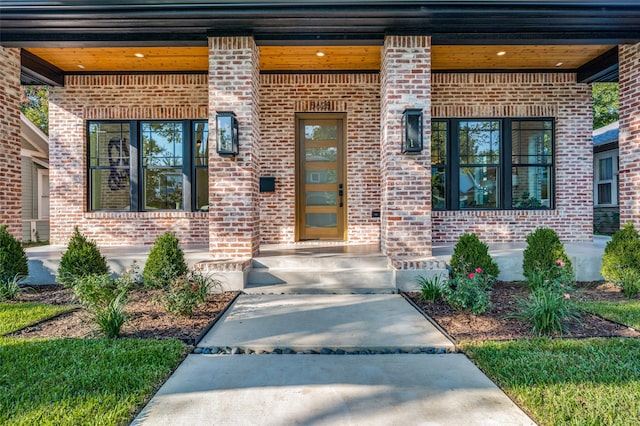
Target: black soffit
column 119, row 23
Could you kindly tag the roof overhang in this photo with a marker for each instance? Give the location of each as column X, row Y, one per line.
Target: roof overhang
column 95, row 23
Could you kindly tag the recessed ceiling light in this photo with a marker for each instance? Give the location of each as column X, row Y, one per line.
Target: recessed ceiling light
column 319, row 54
column 81, row 66
column 559, row 64
column 139, row 55
column 501, row 53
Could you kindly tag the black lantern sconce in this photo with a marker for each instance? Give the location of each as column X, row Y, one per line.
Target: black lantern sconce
column 412, row 135
column 226, row 134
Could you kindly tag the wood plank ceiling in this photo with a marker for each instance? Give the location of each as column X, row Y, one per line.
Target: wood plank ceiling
column 320, row 58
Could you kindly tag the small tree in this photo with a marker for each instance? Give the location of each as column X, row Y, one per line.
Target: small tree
column 13, row 259
column 165, row 263
column 544, row 250
column 469, row 254
column 82, row 258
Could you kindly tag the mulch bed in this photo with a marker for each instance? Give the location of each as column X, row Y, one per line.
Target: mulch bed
column 149, row 320
column 492, row 325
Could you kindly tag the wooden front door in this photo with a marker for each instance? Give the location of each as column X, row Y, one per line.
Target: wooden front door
column 321, row 192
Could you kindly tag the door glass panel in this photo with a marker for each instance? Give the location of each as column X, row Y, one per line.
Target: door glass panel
column 322, row 220
column 322, row 176
column 321, row 154
column 328, row 198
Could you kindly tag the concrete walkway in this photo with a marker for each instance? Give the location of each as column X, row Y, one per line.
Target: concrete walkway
column 369, row 378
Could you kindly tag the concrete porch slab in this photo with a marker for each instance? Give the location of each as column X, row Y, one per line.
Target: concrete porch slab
column 312, row 322
column 330, row 390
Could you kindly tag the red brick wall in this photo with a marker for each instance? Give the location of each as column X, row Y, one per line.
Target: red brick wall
column 125, row 97
column 357, row 95
column 629, row 139
column 525, row 95
column 234, row 221
column 10, row 162
column 406, row 179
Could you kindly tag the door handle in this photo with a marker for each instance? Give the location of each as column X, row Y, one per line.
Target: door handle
column 340, row 193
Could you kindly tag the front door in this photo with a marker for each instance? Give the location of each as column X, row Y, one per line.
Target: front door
column 321, row 191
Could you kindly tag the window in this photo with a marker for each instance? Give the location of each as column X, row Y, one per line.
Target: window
column 492, row 164
column 148, row 165
column 606, row 178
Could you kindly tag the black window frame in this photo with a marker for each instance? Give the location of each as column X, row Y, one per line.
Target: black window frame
column 136, row 169
column 453, row 164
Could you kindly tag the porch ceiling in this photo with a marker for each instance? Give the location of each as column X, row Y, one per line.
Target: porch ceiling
column 320, row 58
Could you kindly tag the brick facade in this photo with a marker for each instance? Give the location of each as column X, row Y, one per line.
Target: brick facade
column 284, row 95
column 234, row 220
column 629, row 139
column 115, row 97
column 405, row 185
column 525, row 95
column 10, row 169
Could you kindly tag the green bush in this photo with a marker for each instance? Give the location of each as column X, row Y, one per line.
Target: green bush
column 621, row 259
column 13, row 260
column 471, row 292
column 430, row 288
column 165, row 262
column 105, row 299
column 546, row 310
column 469, row 254
column 543, row 254
column 187, row 292
column 630, row 283
column 81, row 259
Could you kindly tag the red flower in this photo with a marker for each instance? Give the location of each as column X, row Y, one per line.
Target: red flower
column 471, row 275
column 479, row 270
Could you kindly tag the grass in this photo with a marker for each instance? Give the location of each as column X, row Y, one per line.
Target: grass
column 15, row 316
column 627, row 312
column 564, row 381
column 81, row 381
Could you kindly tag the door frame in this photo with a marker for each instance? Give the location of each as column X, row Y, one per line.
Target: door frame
column 341, row 171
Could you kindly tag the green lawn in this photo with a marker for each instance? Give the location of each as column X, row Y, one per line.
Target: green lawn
column 14, row 316
column 627, row 312
column 81, row 381
column 564, row 381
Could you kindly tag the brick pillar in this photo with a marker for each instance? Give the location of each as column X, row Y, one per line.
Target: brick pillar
column 234, row 218
column 629, row 139
column 10, row 167
column 406, row 179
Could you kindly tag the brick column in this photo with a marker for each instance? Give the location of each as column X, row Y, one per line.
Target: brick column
column 406, row 179
column 629, row 139
column 10, row 168
column 234, row 218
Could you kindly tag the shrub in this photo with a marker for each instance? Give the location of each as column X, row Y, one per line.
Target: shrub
column 544, row 249
column 630, row 283
column 105, row 299
column 546, row 310
column 13, row 260
column 472, row 292
column 81, row 259
column 430, row 288
column 9, row 289
column 621, row 259
column 470, row 253
column 165, row 262
column 187, row 292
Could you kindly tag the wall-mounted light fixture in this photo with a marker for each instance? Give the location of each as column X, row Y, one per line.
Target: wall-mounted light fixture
column 412, row 135
column 226, row 134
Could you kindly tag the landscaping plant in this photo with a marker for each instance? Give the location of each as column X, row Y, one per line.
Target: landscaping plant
column 14, row 265
column 105, row 299
column 621, row 260
column 471, row 292
column 430, row 288
column 165, row 263
column 544, row 249
column 81, row 259
column 547, row 311
column 469, row 254
column 187, row 292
